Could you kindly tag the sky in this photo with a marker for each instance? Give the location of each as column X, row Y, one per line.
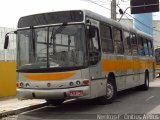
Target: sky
column 12, row 10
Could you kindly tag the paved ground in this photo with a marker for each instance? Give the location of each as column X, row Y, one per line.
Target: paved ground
column 11, row 105
column 130, row 102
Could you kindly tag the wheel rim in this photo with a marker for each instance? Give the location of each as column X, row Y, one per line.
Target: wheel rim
column 110, row 91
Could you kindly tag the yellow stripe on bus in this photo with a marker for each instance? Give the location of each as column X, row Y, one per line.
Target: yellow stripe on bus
column 50, row 76
column 157, row 66
column 117, row 65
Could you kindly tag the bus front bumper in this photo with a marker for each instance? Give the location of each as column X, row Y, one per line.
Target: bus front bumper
column 53, row 93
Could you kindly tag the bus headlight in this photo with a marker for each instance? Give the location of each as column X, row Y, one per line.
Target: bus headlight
column 71, row 83
column 27, row 85
column 21, row 84
column 78, row 82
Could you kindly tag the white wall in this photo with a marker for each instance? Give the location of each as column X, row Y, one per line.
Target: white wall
column 10, row 53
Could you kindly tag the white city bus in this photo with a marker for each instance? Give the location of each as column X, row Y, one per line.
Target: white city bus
column 79, row 54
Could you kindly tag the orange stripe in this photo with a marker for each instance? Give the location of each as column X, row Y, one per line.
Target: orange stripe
column 117, row 65
column 157, row 66
column 49, row 76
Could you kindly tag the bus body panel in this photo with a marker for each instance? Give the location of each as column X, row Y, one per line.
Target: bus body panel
column 44, row 86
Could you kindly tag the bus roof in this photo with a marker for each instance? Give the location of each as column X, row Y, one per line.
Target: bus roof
column 115, row 23
column 25, row 21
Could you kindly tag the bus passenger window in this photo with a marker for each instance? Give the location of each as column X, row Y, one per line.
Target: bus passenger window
column 127, row 43
column 106, row 38
column 150, row 47
column 134, row 44
column 94, row 44
column 157, row 56
column 140, row 46
column 117, row 37
column 146, row 47
column 94, row 50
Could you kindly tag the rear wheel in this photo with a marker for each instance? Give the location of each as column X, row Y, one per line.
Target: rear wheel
column 55, row 102
column 145, row 86
column 111, row 92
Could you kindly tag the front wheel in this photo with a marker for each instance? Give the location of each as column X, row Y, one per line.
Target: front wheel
column 111, row 92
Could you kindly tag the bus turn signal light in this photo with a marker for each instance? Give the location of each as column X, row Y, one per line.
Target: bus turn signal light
column 86, row 82
column 17, row 84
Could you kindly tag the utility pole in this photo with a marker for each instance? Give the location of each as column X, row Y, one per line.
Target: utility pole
column 113, row 9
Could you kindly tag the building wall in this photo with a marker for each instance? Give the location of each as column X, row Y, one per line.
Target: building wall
column 156, row 33
column 147, row 23
column 10, row 53
column 7, row 78
column 7, row 64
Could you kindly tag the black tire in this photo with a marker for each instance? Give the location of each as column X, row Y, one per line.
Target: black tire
column 55, row 102
column 159, row 75
column 145, row 86
column 111, row 93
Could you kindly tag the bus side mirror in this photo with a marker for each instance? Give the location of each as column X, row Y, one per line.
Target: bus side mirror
column 92, row 31
column 6, row 42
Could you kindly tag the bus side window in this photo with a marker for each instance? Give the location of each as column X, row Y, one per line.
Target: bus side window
column 94, row 46
column 150, row 47
column 127, row 43
column 94, row 49
column 157, row 56
column 140, row 46
column 118, row 43
column 146, row 47
column 134, row 44
column 106, row 38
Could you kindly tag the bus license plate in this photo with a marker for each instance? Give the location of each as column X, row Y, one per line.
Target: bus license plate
column 76, row 93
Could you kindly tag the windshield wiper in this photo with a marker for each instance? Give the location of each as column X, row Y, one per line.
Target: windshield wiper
column 33, row 40
column 52, row 40
column 58, row 30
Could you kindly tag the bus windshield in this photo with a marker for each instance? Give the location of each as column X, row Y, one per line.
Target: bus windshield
column 50, row 47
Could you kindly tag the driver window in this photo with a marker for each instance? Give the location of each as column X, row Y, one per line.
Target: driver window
column 93, row 46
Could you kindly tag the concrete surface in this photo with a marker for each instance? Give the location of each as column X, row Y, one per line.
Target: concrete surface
column 11, row 105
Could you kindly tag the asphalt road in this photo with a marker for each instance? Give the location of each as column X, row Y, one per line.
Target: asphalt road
column 131, row 104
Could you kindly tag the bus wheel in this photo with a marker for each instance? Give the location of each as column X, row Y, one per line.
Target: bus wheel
column 145, row 86
column 111, row 92
column 55, row 102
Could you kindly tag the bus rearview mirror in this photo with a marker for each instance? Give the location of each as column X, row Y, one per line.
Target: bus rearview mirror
column 6, row 42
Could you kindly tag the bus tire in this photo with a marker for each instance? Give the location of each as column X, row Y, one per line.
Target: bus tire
column 145, row 86
column 111, row 93
column 55, row 102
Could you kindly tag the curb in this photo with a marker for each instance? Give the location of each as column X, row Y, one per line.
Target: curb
column 18, row 111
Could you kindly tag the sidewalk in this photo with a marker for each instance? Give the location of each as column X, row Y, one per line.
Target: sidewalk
column 11, row 105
